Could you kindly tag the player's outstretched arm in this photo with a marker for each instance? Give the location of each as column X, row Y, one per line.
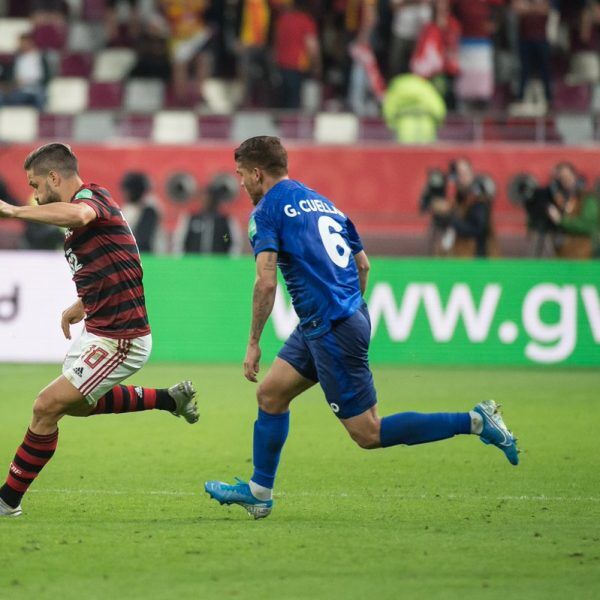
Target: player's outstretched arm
column 363, row 266
column 70, row 316
column 62, row 214
column 263, row 299
column 6, row 210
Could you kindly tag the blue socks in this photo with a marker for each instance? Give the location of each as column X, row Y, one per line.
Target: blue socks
column 418, row 428
column 270, row 433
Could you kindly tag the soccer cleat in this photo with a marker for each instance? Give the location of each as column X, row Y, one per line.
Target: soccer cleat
column 239, row 493
column 495, row 431
column 9, row 511
column 185, row 406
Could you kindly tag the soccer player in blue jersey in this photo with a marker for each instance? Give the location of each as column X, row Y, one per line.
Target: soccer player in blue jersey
column 325, row 269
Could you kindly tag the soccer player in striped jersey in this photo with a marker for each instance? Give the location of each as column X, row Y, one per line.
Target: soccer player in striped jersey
column 116, row 341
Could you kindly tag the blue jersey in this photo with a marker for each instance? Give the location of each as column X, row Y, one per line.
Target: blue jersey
column 315, row 243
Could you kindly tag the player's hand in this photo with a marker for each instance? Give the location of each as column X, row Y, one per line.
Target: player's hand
column 71, row 315
column 6, row 210
column 252, row 362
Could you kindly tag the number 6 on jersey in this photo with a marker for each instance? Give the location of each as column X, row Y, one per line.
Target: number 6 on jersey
column 332, row 241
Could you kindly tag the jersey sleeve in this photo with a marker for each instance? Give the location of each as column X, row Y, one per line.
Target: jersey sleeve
column 355, row 242
column 263, row 232
column 94, row 201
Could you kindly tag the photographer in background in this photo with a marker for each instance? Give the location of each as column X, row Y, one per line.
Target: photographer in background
column 575, row 213
column 206, row 229
column 466, row 212
column 140, row 210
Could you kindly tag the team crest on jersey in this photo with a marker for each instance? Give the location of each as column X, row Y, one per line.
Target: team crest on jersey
column 84, row 195
column 251, row 228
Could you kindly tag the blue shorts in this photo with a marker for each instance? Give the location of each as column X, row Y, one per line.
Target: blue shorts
column 339, row 361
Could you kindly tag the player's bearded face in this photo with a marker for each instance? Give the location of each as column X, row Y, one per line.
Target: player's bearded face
column 49, row 195
column 43, row 191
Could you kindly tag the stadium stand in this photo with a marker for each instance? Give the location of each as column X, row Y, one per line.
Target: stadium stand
column 144, row 96
column 336, row 128
column 67, row 95
column 18, row 123
column 94, row 126
column 248, row 124
column 95, row 95
column 175, row 127
column 10, row 31
column 113, row 64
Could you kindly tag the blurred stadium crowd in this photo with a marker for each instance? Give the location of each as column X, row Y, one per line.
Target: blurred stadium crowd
column 180, row 70
column 325, row 71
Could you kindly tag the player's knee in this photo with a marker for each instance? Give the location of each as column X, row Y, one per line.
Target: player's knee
column 46, row 405
column 269, row 401
column 263, row 397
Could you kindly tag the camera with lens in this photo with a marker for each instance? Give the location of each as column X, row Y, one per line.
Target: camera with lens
column 435, row 187
column 524, row 190
column 434, row 194
column 441, row 186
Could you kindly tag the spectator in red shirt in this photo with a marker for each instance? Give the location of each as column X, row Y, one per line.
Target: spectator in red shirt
column 534, row 49
column 297, row 51
column 436, row 54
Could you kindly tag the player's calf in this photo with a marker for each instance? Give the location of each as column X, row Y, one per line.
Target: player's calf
column 366, row 441
column 31, row 457
column 179, row 400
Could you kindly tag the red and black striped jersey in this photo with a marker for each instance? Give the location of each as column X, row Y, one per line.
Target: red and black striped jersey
column 107, row 270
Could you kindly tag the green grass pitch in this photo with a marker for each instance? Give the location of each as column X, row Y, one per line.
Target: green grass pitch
column 120, row 512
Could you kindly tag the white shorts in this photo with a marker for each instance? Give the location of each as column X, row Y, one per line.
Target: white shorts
column 94, row 365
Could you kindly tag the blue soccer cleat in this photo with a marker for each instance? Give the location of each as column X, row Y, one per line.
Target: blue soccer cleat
column 495, row 431
column 239, row 493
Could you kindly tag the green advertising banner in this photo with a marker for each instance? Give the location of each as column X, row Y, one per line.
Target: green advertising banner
column 422, row 311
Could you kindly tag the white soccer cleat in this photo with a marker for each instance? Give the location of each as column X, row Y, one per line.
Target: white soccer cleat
column 495, row 431
column 9, row 511
column 185, row 406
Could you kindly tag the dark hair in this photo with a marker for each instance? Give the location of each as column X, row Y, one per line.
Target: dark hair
column 52, row 157
column 135, row 184
column 263, row 152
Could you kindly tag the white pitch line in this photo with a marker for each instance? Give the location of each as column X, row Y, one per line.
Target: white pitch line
column 115, row 492
column 433, row 497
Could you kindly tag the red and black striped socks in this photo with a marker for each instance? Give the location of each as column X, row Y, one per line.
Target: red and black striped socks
column 129, row 398
column 36, row 450
column 31, row 457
